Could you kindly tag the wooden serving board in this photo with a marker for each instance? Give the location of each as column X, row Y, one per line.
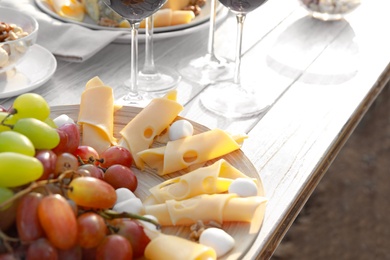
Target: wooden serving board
column 243, row 233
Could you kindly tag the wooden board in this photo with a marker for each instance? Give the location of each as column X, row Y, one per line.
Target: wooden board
column 243, row 233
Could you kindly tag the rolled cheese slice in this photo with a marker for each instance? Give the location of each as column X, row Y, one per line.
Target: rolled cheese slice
column 172, row 247
column 140, row 132
column 215, row 207
column 96, row 115
column 182, row 153
column 212, row 179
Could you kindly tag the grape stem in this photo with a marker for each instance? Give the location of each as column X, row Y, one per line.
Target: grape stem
column 110, row 214
column 6, row 239
column 5, row 118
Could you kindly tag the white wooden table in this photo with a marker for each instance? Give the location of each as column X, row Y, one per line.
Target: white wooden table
column 321, row 78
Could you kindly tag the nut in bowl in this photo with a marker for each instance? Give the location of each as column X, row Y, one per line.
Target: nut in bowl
column 330, row 10
column 18, row 32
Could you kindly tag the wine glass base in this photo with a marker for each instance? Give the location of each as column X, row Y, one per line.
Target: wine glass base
column 162, row 79
column 207, row 69
column 232, row 101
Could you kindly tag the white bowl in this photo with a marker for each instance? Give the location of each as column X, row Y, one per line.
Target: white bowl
column 13, row 51
column 330, row 10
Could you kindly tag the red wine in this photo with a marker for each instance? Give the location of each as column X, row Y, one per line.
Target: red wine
column 135, row 10
column 242, row 6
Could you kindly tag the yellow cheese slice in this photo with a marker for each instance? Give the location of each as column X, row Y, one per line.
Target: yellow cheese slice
column 182, row 153
column 172, row 247
column 161, row 18
column 140, row 132
column 212, row 179
column 96, row 115
column 216, row 207
column 182, row 17
column 71, row 9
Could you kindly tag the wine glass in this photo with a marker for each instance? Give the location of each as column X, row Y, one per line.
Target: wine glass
column 207, row 68
column 153, row 78
column 134, row 11
column 229, row 98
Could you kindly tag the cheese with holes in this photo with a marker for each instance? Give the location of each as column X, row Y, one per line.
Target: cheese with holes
column 182, row 153
column 212, row 179
column 96, row 115
column 214, row 207
column 163, row 246
column 139, row 133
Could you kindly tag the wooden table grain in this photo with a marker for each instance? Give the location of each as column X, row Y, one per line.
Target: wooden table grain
column 319, row 77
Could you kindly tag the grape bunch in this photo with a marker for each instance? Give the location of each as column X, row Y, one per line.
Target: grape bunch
column 57, row 196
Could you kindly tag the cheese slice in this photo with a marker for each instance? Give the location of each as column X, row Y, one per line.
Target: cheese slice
column 182, row 153
column 161, row 18
column 96, row 115
column 163, row 246
column 140, row 132
column 212, row 179
column 182, row 17
column 71, row 9
column 215, row 207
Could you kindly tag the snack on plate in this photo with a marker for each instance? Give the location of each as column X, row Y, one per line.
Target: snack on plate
column 71, row 9
column 212, row 179
column 196, row 149
column 216, row 207
column 139, row 133
column 171, row 247
column 96, row 115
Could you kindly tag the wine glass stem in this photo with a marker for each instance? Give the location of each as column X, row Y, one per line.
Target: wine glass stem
column 134, row 58
column 213, row 13
column 240, row 27
column 149, row 67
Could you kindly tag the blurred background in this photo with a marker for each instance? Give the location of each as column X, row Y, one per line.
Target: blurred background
column 348, row 215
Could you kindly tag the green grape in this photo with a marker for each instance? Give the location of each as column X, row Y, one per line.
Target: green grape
column 50, row 122
column 18, row 169
column 31, row 105
column 11, row 141
column 41, row 134
column 8, row 121
column 5, row 194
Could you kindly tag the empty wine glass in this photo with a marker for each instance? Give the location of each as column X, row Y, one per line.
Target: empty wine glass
column 134, row 12
column 208, row 68
column 229, row 98
column 153, row 78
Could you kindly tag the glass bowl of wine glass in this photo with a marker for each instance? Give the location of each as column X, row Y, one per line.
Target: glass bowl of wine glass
column 330, row 10
column 18, row 31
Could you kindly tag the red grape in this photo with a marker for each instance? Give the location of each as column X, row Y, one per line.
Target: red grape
column 94, row 171
column 58, row 221
column 27, row 220
column 87, row 154
column 116, row 155
column 134, row 233
column 114, row 247
column 91, row 230
column 66, row 162
column 120, row 176
column 48, row 159
column 42, row 249
column 92, row 193
column 69, row 138
column 75, row 253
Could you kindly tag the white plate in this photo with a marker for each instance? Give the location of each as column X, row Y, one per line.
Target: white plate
column 34, row 70
column 89, row 23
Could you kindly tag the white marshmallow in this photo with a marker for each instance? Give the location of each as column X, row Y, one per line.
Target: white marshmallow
column 123, row 194
column 243, row 187
column 217, row 239
column 133, row 206
column 180, row 129
column 62, row 119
